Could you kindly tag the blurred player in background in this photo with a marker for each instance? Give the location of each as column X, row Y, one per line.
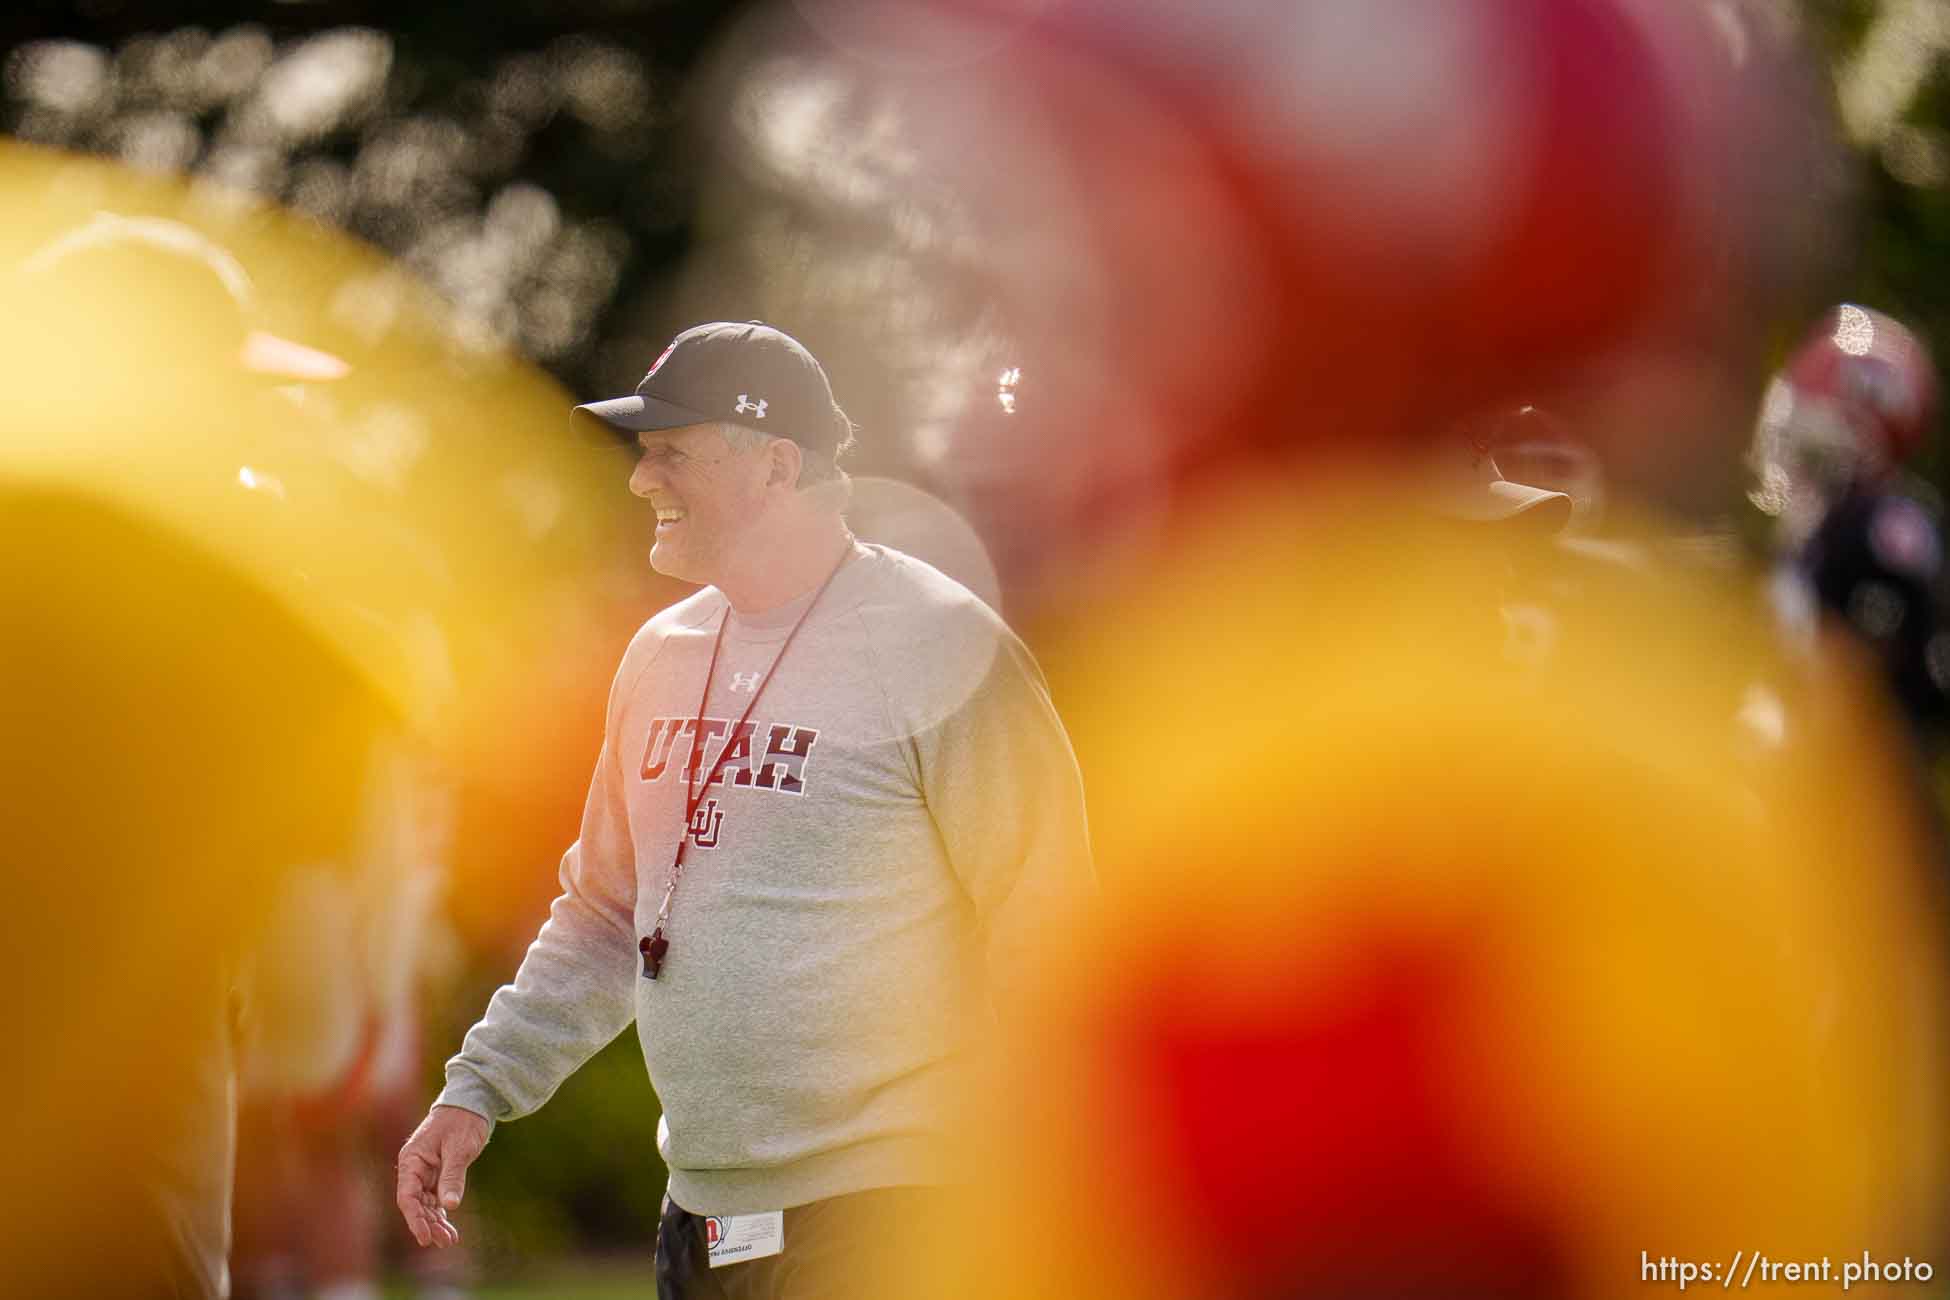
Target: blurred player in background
column 1863, row 537
column 833, row 812
column 247, row 578
column 177, row 740
column 1466, row 482
column 334, row 1048
column 1534, row 445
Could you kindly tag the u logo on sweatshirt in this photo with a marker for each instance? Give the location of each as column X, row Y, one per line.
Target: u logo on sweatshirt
column 705, row 823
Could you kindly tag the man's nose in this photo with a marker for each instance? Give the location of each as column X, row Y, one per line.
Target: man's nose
column 642, row 478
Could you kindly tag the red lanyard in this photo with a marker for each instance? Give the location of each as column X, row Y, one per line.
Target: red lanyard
column 657, row 946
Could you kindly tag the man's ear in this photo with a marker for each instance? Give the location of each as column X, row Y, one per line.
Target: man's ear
column 785, row 460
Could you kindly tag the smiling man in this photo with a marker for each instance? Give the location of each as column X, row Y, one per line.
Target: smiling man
column 833, row 803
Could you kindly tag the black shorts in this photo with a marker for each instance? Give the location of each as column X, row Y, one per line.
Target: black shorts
column 836, row 1249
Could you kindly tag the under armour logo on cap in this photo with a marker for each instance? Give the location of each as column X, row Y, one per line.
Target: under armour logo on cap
column 709, row 372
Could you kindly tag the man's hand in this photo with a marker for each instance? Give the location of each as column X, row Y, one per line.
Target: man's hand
column 433, row 1172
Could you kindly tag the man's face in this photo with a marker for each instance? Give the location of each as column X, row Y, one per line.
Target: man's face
column 706, row 493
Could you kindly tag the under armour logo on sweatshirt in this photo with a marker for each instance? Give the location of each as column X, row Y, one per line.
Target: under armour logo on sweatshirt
column 745, row 681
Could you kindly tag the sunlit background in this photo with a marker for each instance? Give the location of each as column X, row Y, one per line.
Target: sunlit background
column 566, row 175
column 578, row 180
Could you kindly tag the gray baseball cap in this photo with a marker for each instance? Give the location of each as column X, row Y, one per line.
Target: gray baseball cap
column 738, row 372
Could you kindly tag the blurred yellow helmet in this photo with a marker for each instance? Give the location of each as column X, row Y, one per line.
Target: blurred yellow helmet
column 1432, row 962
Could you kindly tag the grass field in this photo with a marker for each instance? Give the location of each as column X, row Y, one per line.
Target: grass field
column 606, row 1283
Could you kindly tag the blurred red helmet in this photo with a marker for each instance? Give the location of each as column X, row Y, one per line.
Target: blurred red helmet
column 1266, row 219
column 1868, row 375
column 1252, row 237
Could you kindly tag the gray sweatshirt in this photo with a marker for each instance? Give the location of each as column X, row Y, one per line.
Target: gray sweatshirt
column 894, row 821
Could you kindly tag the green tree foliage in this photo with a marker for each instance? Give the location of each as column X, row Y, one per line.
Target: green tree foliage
column 581, row 1173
